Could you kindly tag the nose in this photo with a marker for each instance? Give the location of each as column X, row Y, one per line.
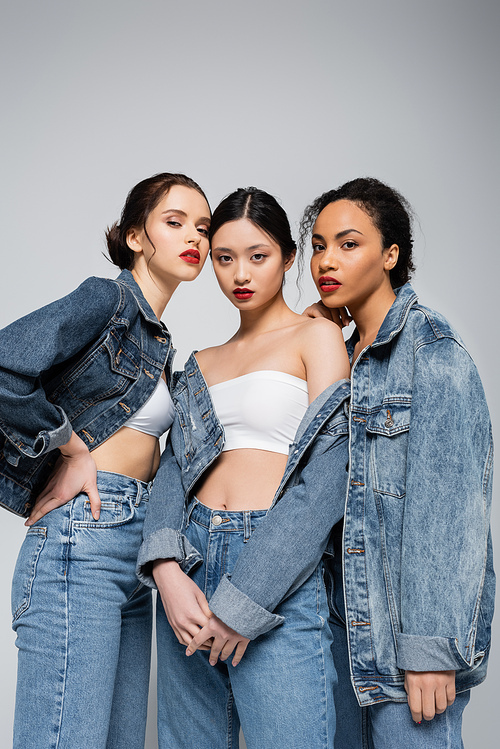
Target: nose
column 241, row 273
column 193, row 236
column 328, row 259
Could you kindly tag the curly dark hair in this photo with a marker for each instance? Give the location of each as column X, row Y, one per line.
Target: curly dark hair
column 389, row 210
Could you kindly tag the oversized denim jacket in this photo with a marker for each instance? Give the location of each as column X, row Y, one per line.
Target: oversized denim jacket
column 285, row 548
column 86, row 362
column 416, row 547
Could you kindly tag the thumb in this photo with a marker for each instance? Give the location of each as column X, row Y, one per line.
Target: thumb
column 95, row 501
column 204, row 604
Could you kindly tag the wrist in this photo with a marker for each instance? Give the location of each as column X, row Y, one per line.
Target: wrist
column 74, row 448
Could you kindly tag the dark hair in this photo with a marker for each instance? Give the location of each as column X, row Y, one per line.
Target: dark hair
column 390, row 212
column 262, row 209
column 141, row 200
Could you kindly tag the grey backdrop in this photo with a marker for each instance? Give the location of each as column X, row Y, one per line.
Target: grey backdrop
column 295, row 97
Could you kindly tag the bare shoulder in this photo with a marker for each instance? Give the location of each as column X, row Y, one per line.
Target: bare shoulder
column 207, row 356
column 324, row 355
column 319, row 329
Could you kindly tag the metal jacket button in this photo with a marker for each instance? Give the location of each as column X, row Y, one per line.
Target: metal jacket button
column 216, row 520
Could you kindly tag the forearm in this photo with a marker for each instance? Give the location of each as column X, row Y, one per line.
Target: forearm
column 286, row 547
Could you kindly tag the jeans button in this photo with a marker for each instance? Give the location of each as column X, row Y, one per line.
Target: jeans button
column 216, row 520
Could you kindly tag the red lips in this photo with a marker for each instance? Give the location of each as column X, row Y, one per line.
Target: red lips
column 328, row 284
column 191, row 256
column 243, row 293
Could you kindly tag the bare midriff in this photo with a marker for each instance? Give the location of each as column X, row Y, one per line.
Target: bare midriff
column 242, row 480
column 129, row 452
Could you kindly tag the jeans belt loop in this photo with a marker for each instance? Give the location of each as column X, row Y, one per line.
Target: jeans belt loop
column 247, row 525
column 138, row 496
column 190, row 511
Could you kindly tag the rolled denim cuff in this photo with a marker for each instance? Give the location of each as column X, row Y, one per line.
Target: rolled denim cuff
column 16, row 446
column 47, row 441
column 240, row 612
column 166, row 543
column 423, row 653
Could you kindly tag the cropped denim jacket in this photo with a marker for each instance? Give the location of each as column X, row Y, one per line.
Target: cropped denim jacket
column 287, row 546
column 86, row 362
column 416, row 544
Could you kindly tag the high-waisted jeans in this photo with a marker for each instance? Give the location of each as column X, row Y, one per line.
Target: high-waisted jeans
column 282, row 690
column 83, row 624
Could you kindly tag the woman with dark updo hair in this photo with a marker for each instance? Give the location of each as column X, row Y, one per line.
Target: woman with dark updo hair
column 84, row 386
column 243, row 502
column 411, row 582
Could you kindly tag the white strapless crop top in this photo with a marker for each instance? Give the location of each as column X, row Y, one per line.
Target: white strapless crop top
column 260, row 410
column 156, row 415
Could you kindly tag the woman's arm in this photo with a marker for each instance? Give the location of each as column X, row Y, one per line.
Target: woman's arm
column 32, row 345
column 445, row 525
column 31, row 424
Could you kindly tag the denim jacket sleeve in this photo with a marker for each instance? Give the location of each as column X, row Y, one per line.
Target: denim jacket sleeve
column 162, row 536
column 288, row 545
column 446, row 511
column 35, row 343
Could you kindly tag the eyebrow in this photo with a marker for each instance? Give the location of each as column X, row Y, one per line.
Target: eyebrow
column 247, row 249
column 178, row 212
column 340, row 234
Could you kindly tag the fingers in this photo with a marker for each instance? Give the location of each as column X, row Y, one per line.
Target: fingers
column 345, row 317
column 95, row 501
column 43, row 505
column 198, row 639
column 414, row 699
column 240, row 651
column 429, row 693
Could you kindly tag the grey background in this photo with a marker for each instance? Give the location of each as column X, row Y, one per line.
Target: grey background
column 295, row 97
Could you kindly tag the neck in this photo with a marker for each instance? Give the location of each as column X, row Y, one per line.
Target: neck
column 270, row 316
column 157, row 293
column 370, row 314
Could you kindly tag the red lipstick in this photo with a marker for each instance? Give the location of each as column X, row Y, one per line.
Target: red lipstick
column 243, row 293
column 191, row 256
column 327, row 284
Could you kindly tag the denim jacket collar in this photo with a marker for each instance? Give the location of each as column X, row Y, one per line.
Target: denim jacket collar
column 393, row 322
column 128, row 279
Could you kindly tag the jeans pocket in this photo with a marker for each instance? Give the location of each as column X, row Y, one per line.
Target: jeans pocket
column 25, row 570
column 115, row 511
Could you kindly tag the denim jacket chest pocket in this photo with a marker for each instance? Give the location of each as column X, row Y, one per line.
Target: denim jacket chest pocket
column 387, row 438
column 88, row 381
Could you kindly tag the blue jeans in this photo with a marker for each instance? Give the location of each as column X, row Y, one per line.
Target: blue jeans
column 281, row 692
column 386, row 725
column 83, row 624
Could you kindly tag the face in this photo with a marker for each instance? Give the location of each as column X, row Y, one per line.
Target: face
column 174, row 243
column 349, row 264
column 249, row 265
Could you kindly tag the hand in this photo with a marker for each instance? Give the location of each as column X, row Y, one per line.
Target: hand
column 339, row 315
column 185, row 604
column 429, row 693
column 74, row 472
column 224, row 641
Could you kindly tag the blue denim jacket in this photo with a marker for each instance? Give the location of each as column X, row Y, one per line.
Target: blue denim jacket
column 285, row 549
column 86, row 363
column 416, row 547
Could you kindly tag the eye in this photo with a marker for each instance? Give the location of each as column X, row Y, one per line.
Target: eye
column 171, row 222
column 203, row 231
column 258, row 257
column 350, row 244
column 223, row 259
column 318, row 247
